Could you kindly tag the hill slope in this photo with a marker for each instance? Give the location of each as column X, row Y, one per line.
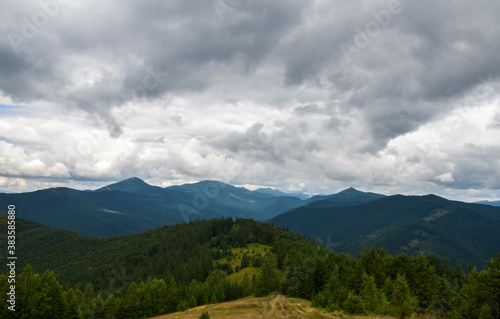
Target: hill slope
column 178, row 267
column 431, row 224
column 182, row 251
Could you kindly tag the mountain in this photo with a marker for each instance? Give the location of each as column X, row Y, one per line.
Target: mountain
column 487, row 202
column 251, row 204
column 276, row 192
column 347, row 197
column 106, row 214
column 410, row 224
column 132, row 206
column 132, row 185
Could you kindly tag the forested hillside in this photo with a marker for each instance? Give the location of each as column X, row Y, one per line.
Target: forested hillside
column 178, row 267
column 469, row 233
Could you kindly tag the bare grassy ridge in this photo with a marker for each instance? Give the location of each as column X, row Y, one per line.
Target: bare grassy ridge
column 274, row 307
column 253, row 308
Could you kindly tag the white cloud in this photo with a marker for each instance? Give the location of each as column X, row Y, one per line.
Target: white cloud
column 445, row 178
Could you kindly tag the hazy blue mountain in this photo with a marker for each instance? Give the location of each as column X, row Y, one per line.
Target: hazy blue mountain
column 463, row 231
column 132, row 206
column 277, row 192
column 487, row 202
column 252, row 204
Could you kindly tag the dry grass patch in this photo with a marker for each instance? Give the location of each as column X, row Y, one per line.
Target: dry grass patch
column 253, row 308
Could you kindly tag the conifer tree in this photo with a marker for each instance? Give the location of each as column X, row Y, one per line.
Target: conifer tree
column 204, row 315
column 51, row 293
column 28, row 284
column 369, row 294
column 402, row 300
column 353, row 304
column 110, row 307
column 269, row 279
column 458, row 276
column 246, row 286
column 245, row 261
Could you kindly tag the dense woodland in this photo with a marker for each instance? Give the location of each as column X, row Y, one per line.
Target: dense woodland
column 182, row 266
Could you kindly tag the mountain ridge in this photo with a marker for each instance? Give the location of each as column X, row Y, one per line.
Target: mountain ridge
column 132, row 206
column 347, row 197
column 346, row 221
column 399, row 223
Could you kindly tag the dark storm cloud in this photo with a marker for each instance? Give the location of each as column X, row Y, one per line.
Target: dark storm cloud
column 277, row 147
column 429, row 53
column 425, row 52
column 160, row 48
column 327, row 85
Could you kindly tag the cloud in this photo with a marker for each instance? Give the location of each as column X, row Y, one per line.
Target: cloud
column 269, row 93
column 446, row 178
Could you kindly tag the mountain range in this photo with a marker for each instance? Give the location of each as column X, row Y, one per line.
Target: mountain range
column 491, row 203
column 347, row 221
column 469, row 233
column 133, row 206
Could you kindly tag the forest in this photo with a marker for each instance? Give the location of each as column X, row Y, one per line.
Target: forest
column 182, row 266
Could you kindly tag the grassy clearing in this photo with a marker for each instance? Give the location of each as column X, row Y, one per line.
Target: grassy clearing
column 238, row 277
column 237, row 254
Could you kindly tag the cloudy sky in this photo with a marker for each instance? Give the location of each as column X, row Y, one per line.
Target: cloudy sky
column 314, row 96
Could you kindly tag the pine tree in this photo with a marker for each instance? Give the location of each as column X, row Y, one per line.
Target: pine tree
column 458, row 276
column 111, row 306
column 369, row 294
column 245, row 261
column 384, row 307
column 87, row 307
column 388, row 288
column 337, row 290
column 130, row 305
column 52, row 293
column 99, row 307
column 353, row 304
column 72, row 299
column 269, row 279
column 443, row 301
column 402, row 300
column 491, row 279
column 27, row 294
column 216, row 283
column 204, row 315
column 246, row 286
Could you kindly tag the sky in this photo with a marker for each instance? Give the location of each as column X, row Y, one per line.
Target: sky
column 312, row 96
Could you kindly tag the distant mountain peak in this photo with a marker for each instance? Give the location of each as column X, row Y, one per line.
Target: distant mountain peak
column 349, row 190
column 132, row 184
column 133, row 180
